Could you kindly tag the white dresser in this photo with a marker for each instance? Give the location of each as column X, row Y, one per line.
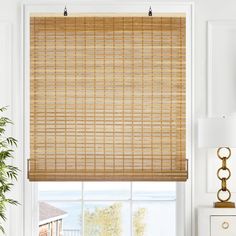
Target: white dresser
column 216, row 222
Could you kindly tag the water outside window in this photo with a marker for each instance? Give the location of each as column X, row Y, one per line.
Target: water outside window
column 107, row 209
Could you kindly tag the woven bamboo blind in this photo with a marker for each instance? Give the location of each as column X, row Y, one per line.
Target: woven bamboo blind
column 107, row 98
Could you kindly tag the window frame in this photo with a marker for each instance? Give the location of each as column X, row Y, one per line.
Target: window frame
column 185, row 196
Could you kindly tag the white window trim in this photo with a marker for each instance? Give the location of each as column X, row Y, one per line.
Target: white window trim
column 185, row 195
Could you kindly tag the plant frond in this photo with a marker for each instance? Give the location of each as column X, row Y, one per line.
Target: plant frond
column 8, row 173
column 12, row 141
column 2, row 109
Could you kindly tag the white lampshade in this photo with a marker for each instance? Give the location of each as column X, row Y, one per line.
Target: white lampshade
column 217, row 132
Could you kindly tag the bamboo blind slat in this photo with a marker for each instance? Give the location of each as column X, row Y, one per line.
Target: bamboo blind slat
column 107, row 98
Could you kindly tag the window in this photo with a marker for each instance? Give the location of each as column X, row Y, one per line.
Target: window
column 35, row 10
column 113, row 208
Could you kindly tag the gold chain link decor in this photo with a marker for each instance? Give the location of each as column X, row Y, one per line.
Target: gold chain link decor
column 224, row 174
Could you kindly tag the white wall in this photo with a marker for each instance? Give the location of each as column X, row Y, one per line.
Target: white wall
column 10, row 36
column 11, row 88
column 206, row 10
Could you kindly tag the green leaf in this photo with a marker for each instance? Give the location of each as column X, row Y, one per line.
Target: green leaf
column 2, row 229
column 12, row 141
column 12, row 202
column 2, row 109
column 4, row 121
column 6, row 154
column 2, row 130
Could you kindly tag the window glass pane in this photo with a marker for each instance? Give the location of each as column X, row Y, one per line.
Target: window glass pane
column 71, row 223
column 154, row 218
column 108, row 209
column 60, row 191
column 154, row 190
column 107, row 218
column 107, row 190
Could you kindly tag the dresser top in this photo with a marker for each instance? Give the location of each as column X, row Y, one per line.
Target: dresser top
column 216, row 211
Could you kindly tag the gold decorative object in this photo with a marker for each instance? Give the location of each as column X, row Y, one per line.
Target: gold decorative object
column 220, row 132
column 224, row 201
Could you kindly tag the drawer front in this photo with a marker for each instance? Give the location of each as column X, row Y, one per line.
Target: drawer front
column 223, row 225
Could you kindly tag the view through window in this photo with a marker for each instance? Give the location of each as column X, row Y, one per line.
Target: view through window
column 107, row 208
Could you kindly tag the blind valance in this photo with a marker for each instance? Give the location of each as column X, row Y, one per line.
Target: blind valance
column 107, row 98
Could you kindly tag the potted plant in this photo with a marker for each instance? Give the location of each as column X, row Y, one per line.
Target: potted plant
column 8, row 172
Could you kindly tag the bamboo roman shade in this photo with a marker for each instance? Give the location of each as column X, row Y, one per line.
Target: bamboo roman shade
column 107, row 98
